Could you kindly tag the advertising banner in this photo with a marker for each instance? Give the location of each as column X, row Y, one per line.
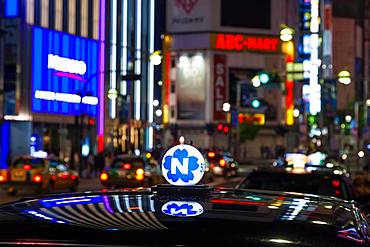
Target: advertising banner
column 188, row 15
column 64, row 73
column 190, row 87
column 219, row 93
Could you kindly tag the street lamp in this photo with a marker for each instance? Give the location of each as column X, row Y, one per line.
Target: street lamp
column 296, row 112
column 226, row 107
column 344, row 77
column 286, row 34
column 155, row 103
column 156, row 57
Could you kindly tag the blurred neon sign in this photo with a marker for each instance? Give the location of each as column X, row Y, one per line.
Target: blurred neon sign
column 64, row 64
column 66, row 97
column 241, row 42
column 65, row 75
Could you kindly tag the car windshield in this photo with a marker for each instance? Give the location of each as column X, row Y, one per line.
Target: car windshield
column 302, row 183
column 34, row 163
column 127, row 163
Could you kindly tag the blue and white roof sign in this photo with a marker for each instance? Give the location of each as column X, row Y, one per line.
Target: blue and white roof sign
column 183, row 165
column 182, row 209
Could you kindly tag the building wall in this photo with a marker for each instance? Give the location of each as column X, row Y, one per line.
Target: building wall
column 344, row 50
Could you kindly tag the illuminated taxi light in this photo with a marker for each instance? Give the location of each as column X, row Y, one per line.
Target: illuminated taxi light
column 2, row 178
column 140, row 171
column 222, row 162
column 148, row 155
column 211, row 154
column 27, row 167
column 183, row 165
column 37, row 179
column 103, row 177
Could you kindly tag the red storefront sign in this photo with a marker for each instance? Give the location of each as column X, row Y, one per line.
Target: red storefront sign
column 219, row 95
column 241, row 42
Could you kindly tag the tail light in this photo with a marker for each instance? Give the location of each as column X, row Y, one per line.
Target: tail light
column 222, row 162
column 139, row 174
column 37, row 179
column 27, row 167
column 335, row 183
column 212, row 165
column 2, row 179
column 127, row 166
column 104, row 177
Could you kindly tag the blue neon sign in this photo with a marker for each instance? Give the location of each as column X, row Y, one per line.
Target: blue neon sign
column 11, row 8
column 64, row 73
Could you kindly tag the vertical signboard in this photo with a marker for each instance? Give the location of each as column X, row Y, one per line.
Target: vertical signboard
column 219, row 87
column 190, row 87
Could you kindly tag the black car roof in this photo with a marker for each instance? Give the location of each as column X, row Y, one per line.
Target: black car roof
column 307, row 170
column 241, row 215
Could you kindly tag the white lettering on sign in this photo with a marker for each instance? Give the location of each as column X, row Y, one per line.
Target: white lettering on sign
column 220, row 84
column 68, row 65
column 183, row 168
column 66, row 97
column 219, row 91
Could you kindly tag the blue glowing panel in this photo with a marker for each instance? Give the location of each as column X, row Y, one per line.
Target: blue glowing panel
column 4, row 144
column 11, row 8
column 64, row 73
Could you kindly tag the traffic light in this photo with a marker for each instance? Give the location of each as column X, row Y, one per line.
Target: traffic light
column 264, row 77
column 346, row 127
column 223, row 128
column 226, row 129
column 312, row 120
column 256, row 103
column 220, row 127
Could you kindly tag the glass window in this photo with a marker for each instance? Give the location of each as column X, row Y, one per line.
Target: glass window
column 35, row 163
column 301, row 183
column 135, row 163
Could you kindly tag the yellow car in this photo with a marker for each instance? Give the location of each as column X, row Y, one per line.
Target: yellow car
column 39, row 175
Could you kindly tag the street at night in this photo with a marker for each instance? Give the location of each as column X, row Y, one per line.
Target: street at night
column 185, row 122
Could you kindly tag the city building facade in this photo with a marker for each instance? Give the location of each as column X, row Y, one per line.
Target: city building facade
column 214, row 55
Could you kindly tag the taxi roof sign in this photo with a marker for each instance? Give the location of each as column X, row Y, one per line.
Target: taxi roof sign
column 183, row 165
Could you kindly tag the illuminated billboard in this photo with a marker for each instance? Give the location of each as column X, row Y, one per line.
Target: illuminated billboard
column 243, row 42
column 190, row 84
column 64, row 73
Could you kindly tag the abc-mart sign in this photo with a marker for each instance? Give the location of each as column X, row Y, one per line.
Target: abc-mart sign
column 245, row 42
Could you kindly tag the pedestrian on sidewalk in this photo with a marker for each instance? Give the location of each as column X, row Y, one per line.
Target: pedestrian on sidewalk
column 108, row 160
column 99, row 163
column 90, row 165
